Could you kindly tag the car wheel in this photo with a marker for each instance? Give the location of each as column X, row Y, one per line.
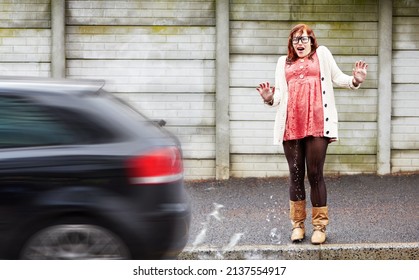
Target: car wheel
column 74, row 242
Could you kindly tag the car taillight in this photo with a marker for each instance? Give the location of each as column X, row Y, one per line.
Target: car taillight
column 158, row 166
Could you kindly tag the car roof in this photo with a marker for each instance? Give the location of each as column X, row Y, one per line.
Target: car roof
column 50, row 85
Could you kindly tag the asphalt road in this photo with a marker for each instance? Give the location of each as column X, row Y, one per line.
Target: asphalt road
column 254, row 211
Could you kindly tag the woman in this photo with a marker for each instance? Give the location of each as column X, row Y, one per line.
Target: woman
column 306, row 121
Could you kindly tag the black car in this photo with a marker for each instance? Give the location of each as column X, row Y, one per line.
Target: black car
column 85, row 176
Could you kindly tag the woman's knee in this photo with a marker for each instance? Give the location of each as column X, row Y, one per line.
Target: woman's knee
column 315, row 175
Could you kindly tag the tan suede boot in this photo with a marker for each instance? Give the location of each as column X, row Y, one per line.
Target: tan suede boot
column 320, row 219
column 297, row 216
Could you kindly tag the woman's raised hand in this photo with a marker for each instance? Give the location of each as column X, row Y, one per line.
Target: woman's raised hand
column 266, row 92
column 360, row 71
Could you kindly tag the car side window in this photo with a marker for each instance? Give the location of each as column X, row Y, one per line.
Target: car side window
column 24, row 123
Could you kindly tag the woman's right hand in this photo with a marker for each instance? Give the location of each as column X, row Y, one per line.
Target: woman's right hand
column 266, row 92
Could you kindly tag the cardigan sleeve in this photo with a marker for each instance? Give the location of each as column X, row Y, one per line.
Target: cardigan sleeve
column 279, row 80
column 338, row 77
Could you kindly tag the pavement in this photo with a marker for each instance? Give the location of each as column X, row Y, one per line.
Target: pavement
column 371, row 217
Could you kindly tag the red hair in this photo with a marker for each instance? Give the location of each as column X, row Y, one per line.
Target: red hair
column 300, row 28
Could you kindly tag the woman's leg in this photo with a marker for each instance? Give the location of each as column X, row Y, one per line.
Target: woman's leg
column 315, row 150
column 316, row 155
column 295, row 154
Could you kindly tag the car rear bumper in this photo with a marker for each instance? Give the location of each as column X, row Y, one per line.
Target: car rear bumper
column 163, row 235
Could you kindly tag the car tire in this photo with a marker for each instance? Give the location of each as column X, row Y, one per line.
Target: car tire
column 74, row 241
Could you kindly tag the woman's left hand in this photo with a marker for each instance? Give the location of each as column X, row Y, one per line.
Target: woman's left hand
column 360, row 71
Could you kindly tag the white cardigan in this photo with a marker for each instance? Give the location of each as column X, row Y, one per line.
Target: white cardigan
column 330, row 74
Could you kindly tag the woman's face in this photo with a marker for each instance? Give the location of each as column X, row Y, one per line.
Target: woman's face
column 301, row 43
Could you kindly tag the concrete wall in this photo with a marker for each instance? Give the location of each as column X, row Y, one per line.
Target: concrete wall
column 160, row 56
column 25, row 37
column 405, row 109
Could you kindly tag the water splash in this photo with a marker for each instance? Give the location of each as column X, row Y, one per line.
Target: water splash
column 275, row 236
column 233, row 242
column 216, row 214
column 200, row 238
column 273, row 217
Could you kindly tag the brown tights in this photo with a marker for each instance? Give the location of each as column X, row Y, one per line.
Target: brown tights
column 310, row 151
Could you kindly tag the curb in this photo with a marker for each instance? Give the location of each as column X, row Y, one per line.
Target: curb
column 362, row 251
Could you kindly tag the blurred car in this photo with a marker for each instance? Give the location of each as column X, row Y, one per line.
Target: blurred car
column 85, row 176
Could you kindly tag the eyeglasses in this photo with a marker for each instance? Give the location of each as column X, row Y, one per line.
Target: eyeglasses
column 304, row 39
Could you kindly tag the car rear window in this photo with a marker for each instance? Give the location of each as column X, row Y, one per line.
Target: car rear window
column 113, row 103
column 123, row 116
